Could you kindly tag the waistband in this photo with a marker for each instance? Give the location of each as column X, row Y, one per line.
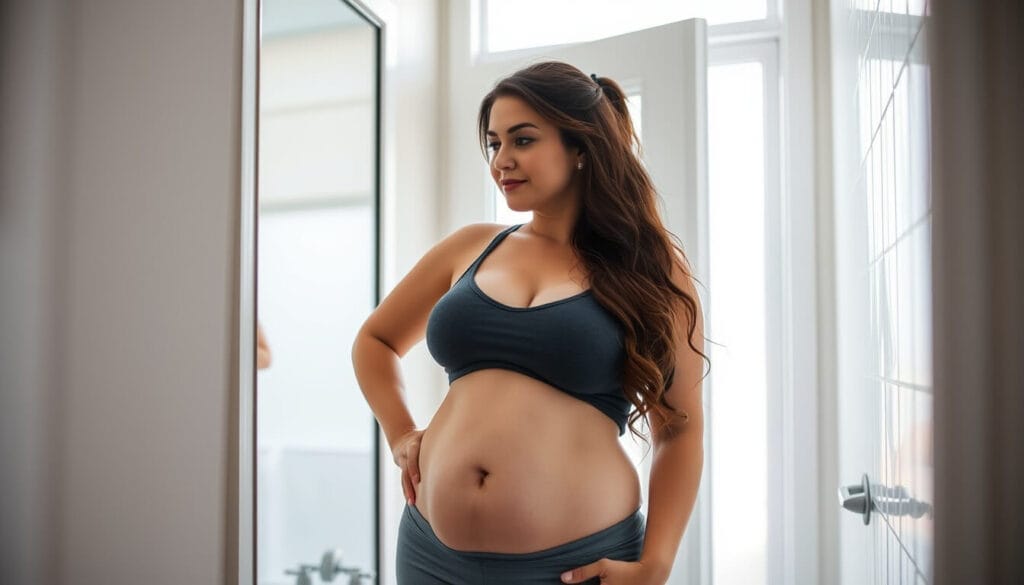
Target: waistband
column 627, row 530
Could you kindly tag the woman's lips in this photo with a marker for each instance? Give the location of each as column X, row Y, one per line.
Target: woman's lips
column 510, row 186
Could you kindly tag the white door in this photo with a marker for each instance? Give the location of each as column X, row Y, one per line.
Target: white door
column 663, row 72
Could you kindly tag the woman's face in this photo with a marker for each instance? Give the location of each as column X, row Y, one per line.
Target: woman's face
column 524, row 147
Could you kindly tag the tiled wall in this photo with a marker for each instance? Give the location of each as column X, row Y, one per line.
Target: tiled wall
column 885, row 88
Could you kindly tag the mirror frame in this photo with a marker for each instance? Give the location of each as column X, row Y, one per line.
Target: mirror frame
column 241, row 541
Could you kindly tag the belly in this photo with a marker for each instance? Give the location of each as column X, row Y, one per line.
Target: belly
column 510, row 464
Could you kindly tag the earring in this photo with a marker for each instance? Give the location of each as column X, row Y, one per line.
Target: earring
column 579, row 165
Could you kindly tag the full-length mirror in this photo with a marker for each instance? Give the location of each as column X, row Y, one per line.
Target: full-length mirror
column 317, row 266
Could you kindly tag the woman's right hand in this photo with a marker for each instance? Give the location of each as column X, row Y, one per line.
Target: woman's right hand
column 406, row 454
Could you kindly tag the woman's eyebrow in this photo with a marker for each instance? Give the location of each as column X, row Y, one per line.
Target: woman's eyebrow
column 513, row 128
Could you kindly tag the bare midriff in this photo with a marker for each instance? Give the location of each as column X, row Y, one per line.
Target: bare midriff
column 510, row 464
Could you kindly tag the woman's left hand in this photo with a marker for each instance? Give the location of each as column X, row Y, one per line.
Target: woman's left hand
column 617, row 573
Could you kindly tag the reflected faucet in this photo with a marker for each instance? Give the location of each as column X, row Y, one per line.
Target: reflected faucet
column 330, row 566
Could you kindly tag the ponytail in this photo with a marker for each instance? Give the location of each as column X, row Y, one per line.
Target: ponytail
column 616, row 97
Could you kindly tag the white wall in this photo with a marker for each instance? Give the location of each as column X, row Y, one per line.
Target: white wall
column 120, row 173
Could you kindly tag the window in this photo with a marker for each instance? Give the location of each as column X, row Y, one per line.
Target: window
column 517, row 24
column 738, row 413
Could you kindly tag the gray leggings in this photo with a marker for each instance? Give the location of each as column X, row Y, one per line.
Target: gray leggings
column 422, row 559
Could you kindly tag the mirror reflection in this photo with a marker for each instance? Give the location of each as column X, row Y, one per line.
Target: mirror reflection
column 316, row 492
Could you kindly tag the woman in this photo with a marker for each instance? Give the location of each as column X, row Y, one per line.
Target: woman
column 549, row 332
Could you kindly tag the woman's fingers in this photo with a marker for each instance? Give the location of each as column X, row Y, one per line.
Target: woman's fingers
column 414, row 461
column 407, row 456
column 407, row 487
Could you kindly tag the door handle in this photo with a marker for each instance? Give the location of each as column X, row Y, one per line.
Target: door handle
column 892, row 501
column 857, row 498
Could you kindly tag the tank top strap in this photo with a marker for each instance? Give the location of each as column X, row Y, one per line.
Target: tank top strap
column 494, row 242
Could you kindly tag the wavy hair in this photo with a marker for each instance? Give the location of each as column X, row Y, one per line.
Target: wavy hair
column 619, row 235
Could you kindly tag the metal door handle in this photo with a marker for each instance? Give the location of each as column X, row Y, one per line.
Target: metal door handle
column 857, row 498
column 893, row 501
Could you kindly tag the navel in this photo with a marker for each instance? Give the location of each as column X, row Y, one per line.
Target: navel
column 482, row 475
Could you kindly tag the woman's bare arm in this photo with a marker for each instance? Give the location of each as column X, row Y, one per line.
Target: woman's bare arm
column 400, row 321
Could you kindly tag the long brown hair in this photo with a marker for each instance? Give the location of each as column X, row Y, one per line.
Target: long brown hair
column 619, row 234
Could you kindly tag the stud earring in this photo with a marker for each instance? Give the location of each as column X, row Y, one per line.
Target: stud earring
column 579, row 165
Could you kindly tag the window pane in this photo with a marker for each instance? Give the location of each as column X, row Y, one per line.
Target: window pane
column 517, row 24
column 738, row 404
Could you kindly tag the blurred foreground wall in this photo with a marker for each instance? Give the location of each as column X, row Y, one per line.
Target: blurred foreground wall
column 119, row 166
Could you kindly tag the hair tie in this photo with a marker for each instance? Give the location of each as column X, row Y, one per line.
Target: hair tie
column 594, row 77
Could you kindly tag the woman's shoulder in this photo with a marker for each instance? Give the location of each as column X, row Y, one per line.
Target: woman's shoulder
column 483, row 227
column 473, row 234
column 468, row 240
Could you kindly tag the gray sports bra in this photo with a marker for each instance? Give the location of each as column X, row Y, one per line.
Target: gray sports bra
column 573, row 344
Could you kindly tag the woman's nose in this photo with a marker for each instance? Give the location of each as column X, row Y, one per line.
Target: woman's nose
column 502, row 161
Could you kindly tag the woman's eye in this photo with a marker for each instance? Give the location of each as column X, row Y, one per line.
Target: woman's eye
column 495, row 145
